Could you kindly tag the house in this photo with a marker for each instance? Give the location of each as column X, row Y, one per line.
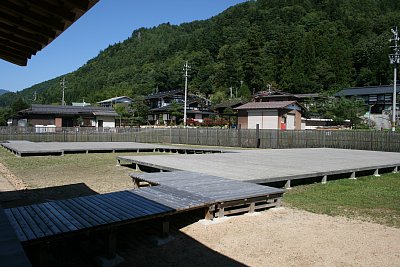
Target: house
column 161, row 104
column 283, row 115
column 111, row 102
column 226, row 110
column 376, row 98
column 306, row 100
column 66, row 116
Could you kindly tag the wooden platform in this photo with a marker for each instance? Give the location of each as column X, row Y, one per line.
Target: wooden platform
column 11, row 252
column 64, row 217
column 227, row 196
column 27, row 149
column 274, row 166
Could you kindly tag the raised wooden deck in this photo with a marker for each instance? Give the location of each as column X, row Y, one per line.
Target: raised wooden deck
column 58, row 218
column 27, row 149
column 11, row 252
column 228, row 196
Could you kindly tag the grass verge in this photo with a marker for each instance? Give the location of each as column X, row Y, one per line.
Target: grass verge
column 368, row 198
column 71, row 175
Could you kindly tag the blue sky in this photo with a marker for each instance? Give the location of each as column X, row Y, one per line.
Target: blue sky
column 108, row 22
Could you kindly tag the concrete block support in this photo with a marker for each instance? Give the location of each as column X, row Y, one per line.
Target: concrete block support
column 287, row 185
column 376, row 173
column 324, row 179
column 395, row 170
column 353, row 176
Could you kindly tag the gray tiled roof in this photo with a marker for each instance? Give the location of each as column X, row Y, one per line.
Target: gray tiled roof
column 68, row 110
column 267, row 105
column 116, row 99
column 163, row 94
column 367, row 90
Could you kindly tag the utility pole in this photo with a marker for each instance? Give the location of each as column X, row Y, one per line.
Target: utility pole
column 394, row 59
column 186, row 69
column 63, row 86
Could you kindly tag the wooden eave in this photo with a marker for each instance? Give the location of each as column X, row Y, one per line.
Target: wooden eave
column 27, row 26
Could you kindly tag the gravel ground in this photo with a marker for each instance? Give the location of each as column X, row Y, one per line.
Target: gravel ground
column 282, row 237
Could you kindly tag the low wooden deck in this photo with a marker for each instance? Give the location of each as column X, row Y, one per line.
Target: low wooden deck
column 11, row 252
column 58, row 218
column 228, row 196
column 27, row 149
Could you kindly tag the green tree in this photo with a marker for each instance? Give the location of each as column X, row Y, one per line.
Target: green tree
column 140, row 110
column 253, row 59
column 18, row 105
column 175, row 111
column 122, row 111
column 341, row 109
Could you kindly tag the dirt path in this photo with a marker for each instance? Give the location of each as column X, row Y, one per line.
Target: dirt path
column 290, row 237
column 7, row 178
column 284, row 237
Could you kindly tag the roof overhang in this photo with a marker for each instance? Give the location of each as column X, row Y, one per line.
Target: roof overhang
column 27, row 26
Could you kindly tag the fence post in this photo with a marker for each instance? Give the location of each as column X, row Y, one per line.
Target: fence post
column 239, row 135
column 258, row 136
column 207, row 136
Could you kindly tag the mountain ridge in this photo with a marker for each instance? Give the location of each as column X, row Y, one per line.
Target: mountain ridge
column 296, row 46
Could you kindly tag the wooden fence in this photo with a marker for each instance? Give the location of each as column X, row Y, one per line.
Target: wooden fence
column 363, row 140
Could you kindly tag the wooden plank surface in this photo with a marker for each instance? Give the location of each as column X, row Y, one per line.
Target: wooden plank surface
column 207, row 186
column 59, row 217
column 11, row 252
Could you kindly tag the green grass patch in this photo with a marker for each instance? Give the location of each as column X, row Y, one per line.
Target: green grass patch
column 368, row 198
column 97, row 170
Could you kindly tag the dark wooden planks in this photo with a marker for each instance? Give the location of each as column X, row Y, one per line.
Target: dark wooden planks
column 64, row 216
column 11, row 252
column 208, row 186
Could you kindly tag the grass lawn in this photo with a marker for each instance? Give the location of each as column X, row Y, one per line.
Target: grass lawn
column 58, row 177
column 369, row 198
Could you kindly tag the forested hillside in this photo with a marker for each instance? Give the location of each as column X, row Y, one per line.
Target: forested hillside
column 297, row 46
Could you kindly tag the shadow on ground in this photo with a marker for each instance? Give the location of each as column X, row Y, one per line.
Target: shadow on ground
column 137, row 244
column 17, row 198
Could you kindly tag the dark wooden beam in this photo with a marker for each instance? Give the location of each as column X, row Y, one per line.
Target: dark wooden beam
column 15, row 53
column 26, row 12
column 9, row 46
column 23, row 34
column 30, row 27
column 81, row 5
column 52, row 8
column 13, row 59
column 21, row 42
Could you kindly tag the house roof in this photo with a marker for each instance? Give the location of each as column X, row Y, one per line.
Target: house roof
column 68, row 110
column 27, row 26
column 268, row 105
column 163, row 94
column 367, row 90
column 229, row 103
column 302, row 96
column 116, row 99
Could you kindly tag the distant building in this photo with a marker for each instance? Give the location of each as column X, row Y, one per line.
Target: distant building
column 80, row 104
column 282, row 115
column 111, row 102
column 376, row 98
column 197, row 108
column 66, row 116
column 305, row 100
